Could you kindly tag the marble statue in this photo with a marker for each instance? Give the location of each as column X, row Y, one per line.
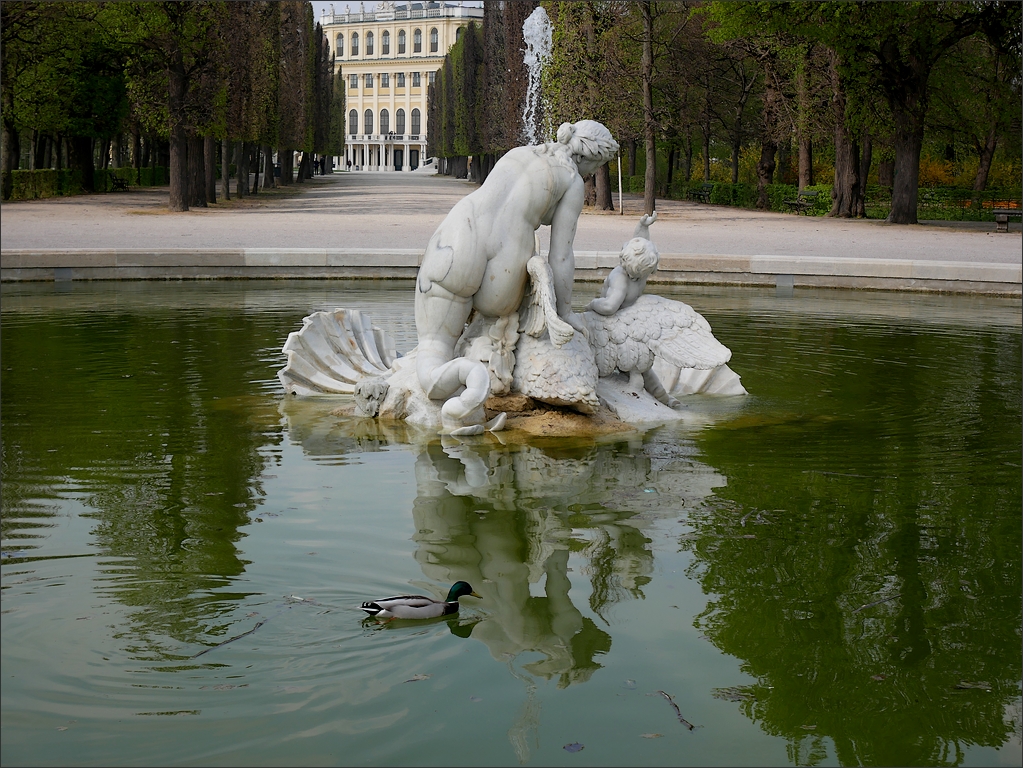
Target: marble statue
column 494, row 316
column 477, row 260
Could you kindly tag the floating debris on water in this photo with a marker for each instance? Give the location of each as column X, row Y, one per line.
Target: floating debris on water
column 575, row 746
column 417, row 678
column 651, row 735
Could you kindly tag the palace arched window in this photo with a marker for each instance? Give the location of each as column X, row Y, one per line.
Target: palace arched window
column 353, row 122
column 369, row 43
column 417, row 41
column 385, row 121
column 401, row 41
column 355, row 43
column 385, row 43
column 399, row 122
column 434, row 40
column 458, row 33
column 367, row 121
column 339, row 45
column 415, row 121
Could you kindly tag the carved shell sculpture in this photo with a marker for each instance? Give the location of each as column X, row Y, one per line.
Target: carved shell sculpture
column 333, row 352
column 652, row 327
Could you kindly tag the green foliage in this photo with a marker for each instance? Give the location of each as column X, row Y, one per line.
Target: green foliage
column 32, row 185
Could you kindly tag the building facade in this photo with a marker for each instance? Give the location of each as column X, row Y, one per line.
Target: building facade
column 388, row 57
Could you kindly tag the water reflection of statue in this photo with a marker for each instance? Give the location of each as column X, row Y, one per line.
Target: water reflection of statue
column 498, row 514
column 476, row 260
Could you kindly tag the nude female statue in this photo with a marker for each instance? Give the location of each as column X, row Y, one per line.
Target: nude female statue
column 477, row 259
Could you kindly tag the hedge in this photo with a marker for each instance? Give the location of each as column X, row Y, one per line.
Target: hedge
column 31, row 185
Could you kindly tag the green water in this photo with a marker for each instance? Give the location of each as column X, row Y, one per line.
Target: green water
column 826, row 572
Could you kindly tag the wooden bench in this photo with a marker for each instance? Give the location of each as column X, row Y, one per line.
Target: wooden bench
column 119, row 184
column 701, row 194
column 1002, row 217
column 805, row 200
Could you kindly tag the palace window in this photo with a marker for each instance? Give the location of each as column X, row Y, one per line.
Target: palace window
column 353, row 82
column 399, row 122
column 385, row 43
column 353, row 121
column 369, row 43
column 340, row 46
column 367, row 121
column 434, row 41
column 401, row 41
column 368, row 81
column 415, row 121
column 458, row 33
column 385, row 121
column 417, row 41
column 433, row 77
column 355, row 43
column 415, row 80
column 401, row 79
column 385, row 80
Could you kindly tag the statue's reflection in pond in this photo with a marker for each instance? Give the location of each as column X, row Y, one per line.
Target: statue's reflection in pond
column 507, row 516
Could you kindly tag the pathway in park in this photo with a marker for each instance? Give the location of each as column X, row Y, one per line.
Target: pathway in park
column 358, row 211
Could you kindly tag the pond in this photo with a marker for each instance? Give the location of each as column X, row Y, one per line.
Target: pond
column 825, row 572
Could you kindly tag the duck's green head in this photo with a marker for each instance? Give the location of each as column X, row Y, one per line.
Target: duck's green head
column 460, row 589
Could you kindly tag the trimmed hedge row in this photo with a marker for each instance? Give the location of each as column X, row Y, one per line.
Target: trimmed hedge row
column 32, row 185
column 936, row 203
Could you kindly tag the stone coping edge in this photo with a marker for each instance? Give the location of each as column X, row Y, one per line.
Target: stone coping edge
column 380, row 263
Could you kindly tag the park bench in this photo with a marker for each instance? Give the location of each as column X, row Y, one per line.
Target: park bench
column 701, row 194
column 805, row 200
column 1002, row 217
column 119, row 184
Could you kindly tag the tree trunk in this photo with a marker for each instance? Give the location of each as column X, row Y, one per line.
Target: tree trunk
column 985, row 153
column 706, row 152
column 269, row 182
column 589, row 191
column 255, row 169
column 909, row 135
column 805, row 163
column 209, row 156
column 847, row 161
column 178, row 170
column 225, row 169
column 687, row 166
column 115, row 151
column 604, row 198
column 649, row 127
column 736, row 147
column 83, row 162
column 865, row 159
column 241, row 169
column 196, row 173
column 136, row 151
column 765, row 173
column 632, row 157
column 286, row 159
column 672, row 154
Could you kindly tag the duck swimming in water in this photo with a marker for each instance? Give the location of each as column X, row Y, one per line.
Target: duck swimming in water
column 417, row 606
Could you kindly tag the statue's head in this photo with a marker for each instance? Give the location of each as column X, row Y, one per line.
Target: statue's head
column 639, row 258
column 590, row 143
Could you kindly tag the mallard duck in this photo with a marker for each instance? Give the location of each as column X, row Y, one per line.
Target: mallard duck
column 417, row 606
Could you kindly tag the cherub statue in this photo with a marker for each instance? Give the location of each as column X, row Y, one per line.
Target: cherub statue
column 628, row 329
column 626, row 283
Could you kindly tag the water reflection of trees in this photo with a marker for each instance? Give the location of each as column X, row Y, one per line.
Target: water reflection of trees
column 866, row 568
column 151, row 421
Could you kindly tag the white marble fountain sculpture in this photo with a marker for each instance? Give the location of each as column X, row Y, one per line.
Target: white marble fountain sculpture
column 494, row 317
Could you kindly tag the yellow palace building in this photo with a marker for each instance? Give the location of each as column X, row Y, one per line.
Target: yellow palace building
column 388, row 57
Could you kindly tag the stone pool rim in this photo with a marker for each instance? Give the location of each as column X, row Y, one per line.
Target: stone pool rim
column 56, row 265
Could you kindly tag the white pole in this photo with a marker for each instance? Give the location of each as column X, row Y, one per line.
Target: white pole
column 621, row 209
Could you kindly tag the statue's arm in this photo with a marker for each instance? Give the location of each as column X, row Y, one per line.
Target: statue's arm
column 643, row 228
column 562, row 257
column 615, row 291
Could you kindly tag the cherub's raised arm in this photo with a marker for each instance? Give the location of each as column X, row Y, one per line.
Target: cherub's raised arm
column 643, row 228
